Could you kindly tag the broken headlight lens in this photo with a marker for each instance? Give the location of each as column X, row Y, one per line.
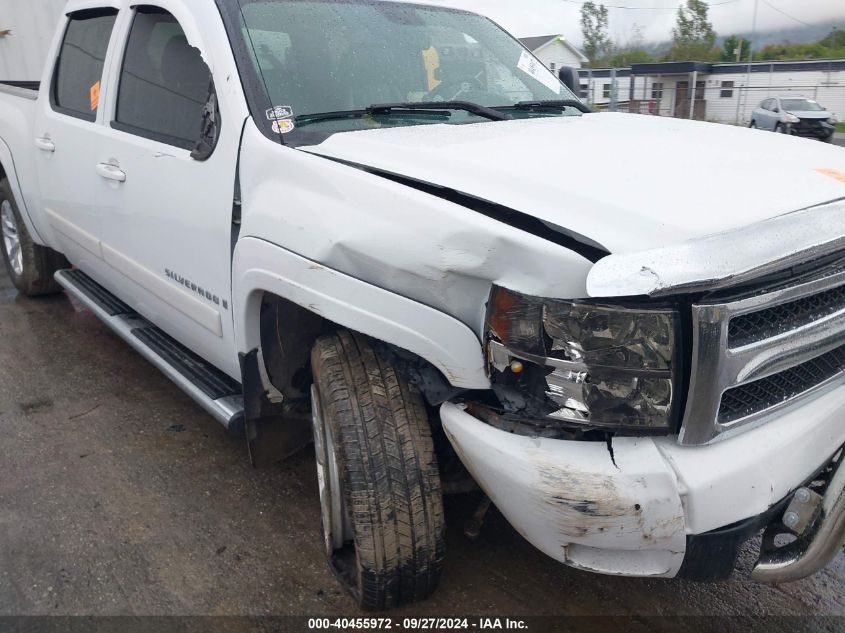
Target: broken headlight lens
column 593, row 365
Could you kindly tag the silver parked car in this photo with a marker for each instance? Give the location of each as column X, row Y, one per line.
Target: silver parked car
column 794, row 115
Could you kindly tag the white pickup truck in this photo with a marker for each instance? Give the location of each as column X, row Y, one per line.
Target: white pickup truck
column 387, row 224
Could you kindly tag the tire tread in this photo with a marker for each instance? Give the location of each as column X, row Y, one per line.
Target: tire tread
column 389, row 471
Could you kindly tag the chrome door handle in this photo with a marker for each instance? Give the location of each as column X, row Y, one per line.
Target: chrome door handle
column 111, row 172
column 46, row 144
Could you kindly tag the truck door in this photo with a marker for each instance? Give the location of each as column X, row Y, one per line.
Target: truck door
column 68, row 127
column 168, row 236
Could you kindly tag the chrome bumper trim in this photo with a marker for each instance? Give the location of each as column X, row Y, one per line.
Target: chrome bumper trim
column 814, row 549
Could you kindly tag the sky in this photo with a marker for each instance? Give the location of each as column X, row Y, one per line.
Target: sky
column 544, row 17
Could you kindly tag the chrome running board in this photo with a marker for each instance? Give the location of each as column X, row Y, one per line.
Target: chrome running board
column 214, row 391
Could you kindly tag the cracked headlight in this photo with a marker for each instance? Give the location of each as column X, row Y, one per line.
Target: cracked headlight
column 588, row 364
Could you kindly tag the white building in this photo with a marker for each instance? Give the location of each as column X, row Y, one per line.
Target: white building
column 31, row 25
column 726, row 93
column 554, row 51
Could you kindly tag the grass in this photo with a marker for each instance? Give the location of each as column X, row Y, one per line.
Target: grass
column 840, row 127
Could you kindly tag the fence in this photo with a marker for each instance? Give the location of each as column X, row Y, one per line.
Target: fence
column 724, row 98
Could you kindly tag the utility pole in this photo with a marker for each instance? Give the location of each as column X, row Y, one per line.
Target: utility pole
column 743, row 99
column 612, row 106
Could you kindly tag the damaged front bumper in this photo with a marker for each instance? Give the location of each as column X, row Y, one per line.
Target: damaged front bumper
column 616, row 512
column 632, row 508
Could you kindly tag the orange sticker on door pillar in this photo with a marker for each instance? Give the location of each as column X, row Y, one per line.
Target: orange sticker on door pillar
column 94, row 95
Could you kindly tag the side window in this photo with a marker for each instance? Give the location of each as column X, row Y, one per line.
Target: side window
column 79, row 68
column 165, row 90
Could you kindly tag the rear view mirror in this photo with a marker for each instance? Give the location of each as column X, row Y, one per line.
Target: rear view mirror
column 569, row 77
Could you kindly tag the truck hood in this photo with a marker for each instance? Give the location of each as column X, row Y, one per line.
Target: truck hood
column 623, row 181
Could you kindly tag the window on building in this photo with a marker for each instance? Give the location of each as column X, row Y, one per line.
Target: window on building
column 553, row 66
column 584, row 91
column 605, row 91
column 79, row 69
column 657, row 90
column 164, row 83
column 727, row 90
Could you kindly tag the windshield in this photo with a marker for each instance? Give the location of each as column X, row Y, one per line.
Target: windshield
column 800, row 105
column 331, row 56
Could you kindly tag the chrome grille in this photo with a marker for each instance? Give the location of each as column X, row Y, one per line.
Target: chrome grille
column 763, row 324
column 766, row 393
column 755, row 355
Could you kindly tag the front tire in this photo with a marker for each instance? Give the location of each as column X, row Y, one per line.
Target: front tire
column 380, row 491
column 30, row 266
column 753, row 124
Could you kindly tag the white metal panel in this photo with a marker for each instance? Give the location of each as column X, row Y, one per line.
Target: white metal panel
column 517, row 164
column 409, row 242
column 260, row 266
column 32, row 24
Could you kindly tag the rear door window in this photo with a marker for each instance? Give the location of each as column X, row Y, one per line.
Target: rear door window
column 79, row 68
column 164, row 82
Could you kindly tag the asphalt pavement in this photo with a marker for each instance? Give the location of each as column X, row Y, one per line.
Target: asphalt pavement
column 119, row 496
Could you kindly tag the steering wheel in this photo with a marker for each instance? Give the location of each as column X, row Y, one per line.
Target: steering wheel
column 471, row 90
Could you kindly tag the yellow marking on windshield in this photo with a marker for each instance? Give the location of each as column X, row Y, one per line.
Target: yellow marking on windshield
column 432, row 63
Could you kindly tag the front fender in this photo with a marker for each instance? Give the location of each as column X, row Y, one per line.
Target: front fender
column 260, row 266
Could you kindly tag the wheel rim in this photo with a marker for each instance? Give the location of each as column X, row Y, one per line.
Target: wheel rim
column 11, row 237
column 337, row 527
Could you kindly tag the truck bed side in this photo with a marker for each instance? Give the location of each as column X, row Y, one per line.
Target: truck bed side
column 18, row 103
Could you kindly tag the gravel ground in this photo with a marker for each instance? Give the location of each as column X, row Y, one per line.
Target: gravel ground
column 119, row 496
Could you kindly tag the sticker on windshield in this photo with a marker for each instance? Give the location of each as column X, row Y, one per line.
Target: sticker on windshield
column 283, row 126
column 530, row 66
column 279, row 112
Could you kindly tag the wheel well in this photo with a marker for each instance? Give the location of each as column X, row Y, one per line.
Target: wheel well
column 288, row 333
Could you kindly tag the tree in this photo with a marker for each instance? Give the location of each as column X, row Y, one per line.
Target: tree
column 633, row 51
column 693, row 36
column 835, row 39
column 624, row 57
column 594, row 30
column 735, row 48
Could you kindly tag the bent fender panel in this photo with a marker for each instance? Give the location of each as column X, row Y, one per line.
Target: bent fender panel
column 260, row 266
column 414, row 244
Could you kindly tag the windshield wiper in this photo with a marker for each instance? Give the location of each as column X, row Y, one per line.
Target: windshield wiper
column 466, row 106
column 409, row 109
column 551, row 105
column 304, row 119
